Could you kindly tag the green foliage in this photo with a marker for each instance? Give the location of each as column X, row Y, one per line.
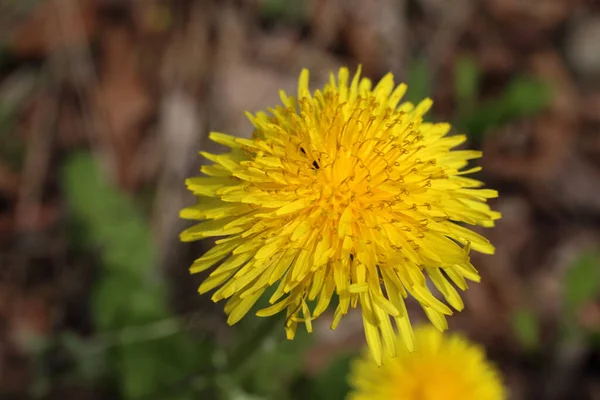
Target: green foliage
column 418, row 81
column 581, row 286
column 526, row 327
column 582, row 282
column 148, row 358
column 264, row 361
column 466, row 80
column 292, row 11
column 524, row 96
column 330, row 384
column 150, row 367
column 126, row 293
column 271, row 369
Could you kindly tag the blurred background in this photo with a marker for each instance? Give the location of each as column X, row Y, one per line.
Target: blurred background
column 104, row 106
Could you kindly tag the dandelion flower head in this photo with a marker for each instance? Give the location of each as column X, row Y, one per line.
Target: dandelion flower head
column 343, row 191
column 443, row 367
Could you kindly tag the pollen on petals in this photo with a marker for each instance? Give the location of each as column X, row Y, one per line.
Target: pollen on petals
column 343, row 192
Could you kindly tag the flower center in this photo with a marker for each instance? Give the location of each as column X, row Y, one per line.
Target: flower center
column 335, row 197
column 433, row 381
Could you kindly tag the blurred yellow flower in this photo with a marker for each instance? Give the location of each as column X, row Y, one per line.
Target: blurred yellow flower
column 343, row 191
column 442, row 367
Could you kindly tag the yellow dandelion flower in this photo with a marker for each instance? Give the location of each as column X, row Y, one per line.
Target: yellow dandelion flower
column 343, row 191
column 443, row 367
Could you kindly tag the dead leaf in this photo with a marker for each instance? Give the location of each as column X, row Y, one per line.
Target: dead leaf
column 43, row 31
column 376, row 34
column 327, row 20
column 122, row 101
column 527, row 23
column 9, row 181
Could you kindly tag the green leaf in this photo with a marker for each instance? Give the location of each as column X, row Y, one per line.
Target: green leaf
column 161, row 367
column 466, row 80
column 582, row 282
column 526, row 327
column 527, row 95
column 141, row 369
column 136, row 303
column 108, row 309
column 126, row 299
column 332, row 384
column 271, row 368
column 523, row 97
column 294, row 11
column 418, row 81
column 124, row 294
